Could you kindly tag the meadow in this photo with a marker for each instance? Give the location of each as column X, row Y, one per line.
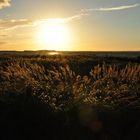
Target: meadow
column 59, row 97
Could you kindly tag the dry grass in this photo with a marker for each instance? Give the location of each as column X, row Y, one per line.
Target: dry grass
column 60, row 88
column 55, row 98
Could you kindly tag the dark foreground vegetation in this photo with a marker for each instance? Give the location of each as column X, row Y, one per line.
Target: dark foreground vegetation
column 75, row 97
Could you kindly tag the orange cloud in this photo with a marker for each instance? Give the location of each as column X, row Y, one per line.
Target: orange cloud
column 11, row 24
column 4, row 3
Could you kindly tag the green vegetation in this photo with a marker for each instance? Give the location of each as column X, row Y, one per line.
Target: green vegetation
column 69, row 97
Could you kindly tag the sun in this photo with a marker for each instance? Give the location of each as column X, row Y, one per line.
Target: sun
column 53, row 34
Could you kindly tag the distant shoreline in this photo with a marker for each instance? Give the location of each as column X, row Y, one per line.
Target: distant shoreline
column 128, row 54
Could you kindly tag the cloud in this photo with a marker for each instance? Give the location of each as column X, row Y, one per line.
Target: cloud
column 76, row 17
column 16, row 23
column 86, row 12
column 3, row 35
column 3, row 43
column 11, row 24
column 4, row 3
column 112, row 8
column 118, row 8
column 61, row 20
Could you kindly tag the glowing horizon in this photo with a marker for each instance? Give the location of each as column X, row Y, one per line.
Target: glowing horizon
column 70, row 25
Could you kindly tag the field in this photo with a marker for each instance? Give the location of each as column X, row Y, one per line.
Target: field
column 68, row 96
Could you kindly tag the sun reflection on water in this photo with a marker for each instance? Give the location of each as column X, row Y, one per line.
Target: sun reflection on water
column 53, row 53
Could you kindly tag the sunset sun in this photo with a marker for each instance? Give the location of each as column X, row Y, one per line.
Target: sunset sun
column 70, row 69
column 53, row 34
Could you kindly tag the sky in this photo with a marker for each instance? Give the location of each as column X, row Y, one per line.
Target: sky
column 91, row 25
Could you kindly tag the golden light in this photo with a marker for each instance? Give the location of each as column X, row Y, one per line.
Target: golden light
column 53, row 34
